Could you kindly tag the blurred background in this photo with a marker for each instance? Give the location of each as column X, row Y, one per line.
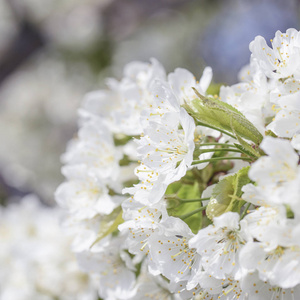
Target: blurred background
column 52, row 52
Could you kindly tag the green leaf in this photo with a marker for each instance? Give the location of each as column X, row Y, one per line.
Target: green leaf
column 173, row 188
column 270, row 133
column 226, row 195
column 215, row 209
column 244, row 150
column 205, row 116
column 213, row 102
column 244, row 146
column 187, row 191
column 219, row 114
column 109, row 224
column 122, row 139
column 241, row 180
column 289, row 212
column 130, row 182
column 125, row 161
column 223, row 190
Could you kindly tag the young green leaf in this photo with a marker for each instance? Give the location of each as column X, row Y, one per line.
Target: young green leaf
column 221, row 115
column 109, row 224
column 244, row 146
column 184, row 208
column 226, row 195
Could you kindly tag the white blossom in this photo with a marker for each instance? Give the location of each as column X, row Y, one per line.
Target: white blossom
column 35, row 256
column 282, row 60
column 171, row 253
column 219, row 245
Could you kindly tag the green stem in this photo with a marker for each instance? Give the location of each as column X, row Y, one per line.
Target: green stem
column 194, row 200
column 196, row 162
column 218, row 129
column 171, row 197
column 216, row 144
column 220, row 149
column 245, row 210
column 192, row 213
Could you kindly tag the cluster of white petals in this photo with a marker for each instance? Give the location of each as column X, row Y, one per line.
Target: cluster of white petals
column 35, row 257
column 173, row 193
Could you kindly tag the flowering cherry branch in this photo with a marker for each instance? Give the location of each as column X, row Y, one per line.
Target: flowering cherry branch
column 205, row 201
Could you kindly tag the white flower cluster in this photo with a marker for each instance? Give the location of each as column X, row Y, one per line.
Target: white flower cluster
column 173, row 193
column 35, row 257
